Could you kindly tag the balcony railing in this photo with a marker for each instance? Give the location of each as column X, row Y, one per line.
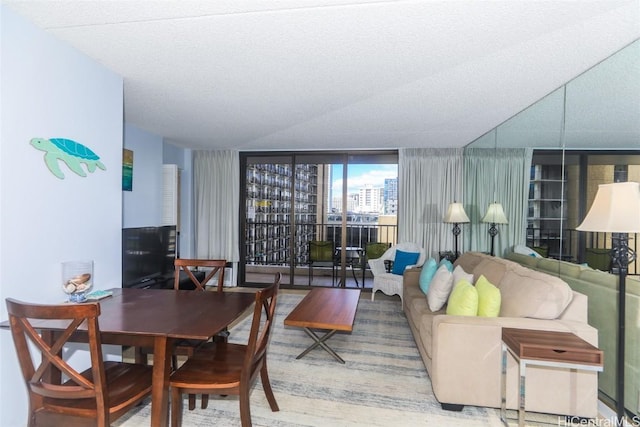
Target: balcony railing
column 271, row 243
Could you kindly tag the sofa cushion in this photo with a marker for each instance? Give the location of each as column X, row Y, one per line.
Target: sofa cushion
column 403, row 260
column 426, row 274
column 528, row 293
column 440, row 288
column 463, row 300
column 489, row 298
column 469, row 260
column 493, row 269
column 556, row 267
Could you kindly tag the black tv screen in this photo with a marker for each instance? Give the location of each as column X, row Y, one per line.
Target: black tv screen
column 148, row 254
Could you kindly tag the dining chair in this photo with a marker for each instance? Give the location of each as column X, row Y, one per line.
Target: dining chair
column 230, row 369
column 185, row 266
column 372, row 250
column 96, row 396
column 322, row 254
column 199, row 279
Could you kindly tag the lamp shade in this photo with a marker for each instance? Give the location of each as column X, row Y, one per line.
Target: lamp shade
column 615, row 209
column 456, row 214
column 495, row 214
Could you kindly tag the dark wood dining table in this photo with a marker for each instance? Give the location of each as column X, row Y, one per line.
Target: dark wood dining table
column 156, row 318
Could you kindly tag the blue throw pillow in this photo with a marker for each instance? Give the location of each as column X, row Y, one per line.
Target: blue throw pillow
column 403, row 259
column 446, row 262
column 428, row 271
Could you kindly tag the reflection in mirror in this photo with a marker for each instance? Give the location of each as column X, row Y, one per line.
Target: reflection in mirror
column 598, row 110
column 585, row 133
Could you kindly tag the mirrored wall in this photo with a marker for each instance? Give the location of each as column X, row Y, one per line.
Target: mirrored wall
column 581, row 135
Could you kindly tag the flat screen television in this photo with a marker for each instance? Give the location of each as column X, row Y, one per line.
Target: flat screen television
column 148, row 254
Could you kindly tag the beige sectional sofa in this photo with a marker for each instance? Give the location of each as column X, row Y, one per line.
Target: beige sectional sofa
column 602, row 291
column 462, row 354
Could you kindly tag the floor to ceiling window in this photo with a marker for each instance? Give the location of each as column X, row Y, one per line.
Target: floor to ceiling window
column 311, row 216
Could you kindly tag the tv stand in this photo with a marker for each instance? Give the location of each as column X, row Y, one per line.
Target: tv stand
column 166, row 282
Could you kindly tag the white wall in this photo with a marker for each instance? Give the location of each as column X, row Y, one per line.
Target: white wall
column 50, row 90
column 143, row 205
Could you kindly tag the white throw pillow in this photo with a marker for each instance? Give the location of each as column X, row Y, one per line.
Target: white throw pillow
column 440, row 288
column 459, row 274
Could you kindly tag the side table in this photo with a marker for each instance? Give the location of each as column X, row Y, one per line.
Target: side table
column 543, row 348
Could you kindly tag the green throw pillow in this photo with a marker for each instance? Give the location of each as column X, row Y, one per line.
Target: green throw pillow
column 426, row 275
column 463, row 300
column 489, row 298
column 403, row 260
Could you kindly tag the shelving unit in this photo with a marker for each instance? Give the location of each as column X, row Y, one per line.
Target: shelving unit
column 547, row 205
column 280, row 198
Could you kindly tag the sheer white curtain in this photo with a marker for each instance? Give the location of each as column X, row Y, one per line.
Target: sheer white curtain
column 497, row 175
column 216, row 183
column 428, row 180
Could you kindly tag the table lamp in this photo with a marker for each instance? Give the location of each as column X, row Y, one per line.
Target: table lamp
column 456, row 216
column 616, row 210
column 495, row 215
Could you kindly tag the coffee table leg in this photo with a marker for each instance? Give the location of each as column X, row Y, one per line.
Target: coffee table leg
column 320, row 341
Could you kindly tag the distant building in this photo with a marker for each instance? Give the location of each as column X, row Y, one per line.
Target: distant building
column 390, row 197
column 370, row 199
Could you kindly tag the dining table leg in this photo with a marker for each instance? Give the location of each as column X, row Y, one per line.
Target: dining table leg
column 160, row 384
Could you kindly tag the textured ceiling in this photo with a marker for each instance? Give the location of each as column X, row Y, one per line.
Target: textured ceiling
column 328, row 74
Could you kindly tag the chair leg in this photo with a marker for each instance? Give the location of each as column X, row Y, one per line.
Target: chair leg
column 140, row 356
column 245, row 410
column 266, row 386
column 192, row 402
column 176, row 407
column 204, row 401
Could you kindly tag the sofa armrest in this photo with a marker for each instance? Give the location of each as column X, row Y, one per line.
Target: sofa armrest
column 466, row 363
column 411, row 276
column 578, row 308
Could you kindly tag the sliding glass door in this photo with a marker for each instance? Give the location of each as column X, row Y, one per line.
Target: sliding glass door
column 310, row 215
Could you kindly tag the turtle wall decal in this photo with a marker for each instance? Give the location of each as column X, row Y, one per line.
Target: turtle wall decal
column 72, row 153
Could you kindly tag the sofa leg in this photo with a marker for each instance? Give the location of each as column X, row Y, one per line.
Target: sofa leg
column 452, row 407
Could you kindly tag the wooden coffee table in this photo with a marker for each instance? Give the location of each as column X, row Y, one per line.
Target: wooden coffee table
column 543, row 348
column 329, row 309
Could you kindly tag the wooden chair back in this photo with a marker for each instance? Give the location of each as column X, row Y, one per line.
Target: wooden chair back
column 217, row 266
column 261, row 329
column 84, row 395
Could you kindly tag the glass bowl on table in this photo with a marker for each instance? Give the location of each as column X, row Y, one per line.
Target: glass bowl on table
column 77, row 279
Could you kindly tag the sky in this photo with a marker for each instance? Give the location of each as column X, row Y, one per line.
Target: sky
column 360, row 175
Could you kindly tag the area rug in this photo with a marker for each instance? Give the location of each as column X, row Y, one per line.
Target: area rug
column 382, row 383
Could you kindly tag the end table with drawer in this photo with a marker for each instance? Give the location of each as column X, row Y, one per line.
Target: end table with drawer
column 543, row 348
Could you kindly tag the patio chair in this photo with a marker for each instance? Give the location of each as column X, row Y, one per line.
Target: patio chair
column 322, row 254
column 388, row 282
column 372, row 250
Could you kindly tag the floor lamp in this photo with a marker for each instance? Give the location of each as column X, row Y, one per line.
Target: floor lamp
column 456, row 216
column 495, row 215
column 616, row 209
